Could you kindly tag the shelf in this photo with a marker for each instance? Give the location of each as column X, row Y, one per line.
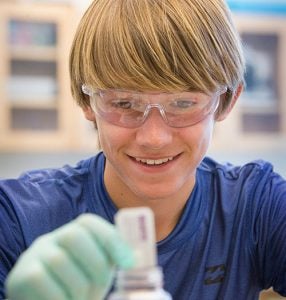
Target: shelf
column 43, row 104
column 36, row 53
column 34, row 119
column 33, row 89
column 263, row 123
column 259, row 110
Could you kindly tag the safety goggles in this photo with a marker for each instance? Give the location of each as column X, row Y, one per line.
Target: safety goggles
column 130, row 108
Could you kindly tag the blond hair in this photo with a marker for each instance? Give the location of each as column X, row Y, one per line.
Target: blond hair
column 162, row 45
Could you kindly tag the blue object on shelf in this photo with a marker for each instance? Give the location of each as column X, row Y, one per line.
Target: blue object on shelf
column 256, row 7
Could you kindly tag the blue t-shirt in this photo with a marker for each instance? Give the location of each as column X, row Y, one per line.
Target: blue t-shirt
column 230, row 242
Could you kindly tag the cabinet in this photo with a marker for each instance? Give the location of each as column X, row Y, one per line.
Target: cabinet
column 258, row 120
column 37, row 111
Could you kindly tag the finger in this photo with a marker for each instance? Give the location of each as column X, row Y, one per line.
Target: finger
column 33, row 283
column 63, row 269
column 85, row 253
column 108, row 238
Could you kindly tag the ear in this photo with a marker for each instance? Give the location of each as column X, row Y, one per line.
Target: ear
column 89, row 113
column 235, row 96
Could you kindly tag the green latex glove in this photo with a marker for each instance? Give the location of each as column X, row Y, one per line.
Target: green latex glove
column 76, row 261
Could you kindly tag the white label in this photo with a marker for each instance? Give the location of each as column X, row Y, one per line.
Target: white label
column 137, row 227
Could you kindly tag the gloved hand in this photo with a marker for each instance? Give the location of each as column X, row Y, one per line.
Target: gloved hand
column 76, row 261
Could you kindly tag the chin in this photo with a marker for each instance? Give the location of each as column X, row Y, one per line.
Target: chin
column 155, row 193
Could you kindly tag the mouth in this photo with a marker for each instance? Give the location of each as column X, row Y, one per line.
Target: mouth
column 155, row 162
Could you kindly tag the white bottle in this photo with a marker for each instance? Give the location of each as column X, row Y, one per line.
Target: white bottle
column 145, row 280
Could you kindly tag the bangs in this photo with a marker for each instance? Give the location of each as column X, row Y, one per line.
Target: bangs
column 154, row 45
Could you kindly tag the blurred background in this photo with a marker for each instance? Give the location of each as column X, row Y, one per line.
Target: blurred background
column 41, row 126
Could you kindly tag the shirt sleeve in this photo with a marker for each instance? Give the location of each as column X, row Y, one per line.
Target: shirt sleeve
column 269, row 232
column 11, row 240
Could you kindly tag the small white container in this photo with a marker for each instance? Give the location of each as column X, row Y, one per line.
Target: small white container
column 145, row 280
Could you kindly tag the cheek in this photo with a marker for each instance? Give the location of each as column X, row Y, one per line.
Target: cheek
column 104, row 137
column 199, row 136
column 111, row 137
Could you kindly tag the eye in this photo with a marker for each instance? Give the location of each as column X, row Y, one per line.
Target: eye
column 122, row 103
column 183, row 104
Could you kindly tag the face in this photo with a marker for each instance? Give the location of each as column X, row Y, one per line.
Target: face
column 153, row 161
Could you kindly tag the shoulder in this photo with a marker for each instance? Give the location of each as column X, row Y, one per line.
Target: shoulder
column 66, row 182
column 254, row 184
column 65, row 173
column 252, row 170
column 45, row 199
column 254, row 187
column 51, row 177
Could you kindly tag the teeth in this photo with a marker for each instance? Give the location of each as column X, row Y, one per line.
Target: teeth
column 154, row 161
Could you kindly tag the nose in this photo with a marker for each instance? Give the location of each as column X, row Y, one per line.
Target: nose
column 154, row 133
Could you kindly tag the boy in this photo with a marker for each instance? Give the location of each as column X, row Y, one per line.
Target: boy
column 154, row 77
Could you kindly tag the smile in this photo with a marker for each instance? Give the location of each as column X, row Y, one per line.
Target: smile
column 153, row 162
